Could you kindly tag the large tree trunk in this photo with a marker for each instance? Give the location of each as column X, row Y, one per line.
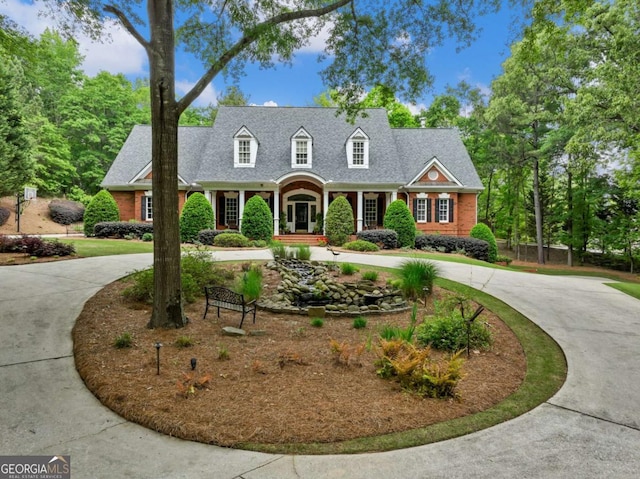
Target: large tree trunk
column 538, row 210
column 167, row 302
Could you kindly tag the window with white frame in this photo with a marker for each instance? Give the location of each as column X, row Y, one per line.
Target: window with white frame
column 421, row 210
column 231, row 211
column 443, row 210
column 358, row 150
column 370, row 211
column 147, row 208
column 301, row 149
column 245, row 149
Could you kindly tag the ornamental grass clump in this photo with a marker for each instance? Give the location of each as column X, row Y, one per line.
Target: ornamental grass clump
column 415, row 276
column 251, row 283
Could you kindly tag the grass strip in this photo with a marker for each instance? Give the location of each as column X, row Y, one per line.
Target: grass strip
column 632, row 289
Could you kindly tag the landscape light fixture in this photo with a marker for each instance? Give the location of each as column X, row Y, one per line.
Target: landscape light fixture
column 193, row 364
column 158, row 346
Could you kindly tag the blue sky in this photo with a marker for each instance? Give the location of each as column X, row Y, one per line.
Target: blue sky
column 477, row 64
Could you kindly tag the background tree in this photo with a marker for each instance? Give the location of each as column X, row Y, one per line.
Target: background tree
column 197, row 215
column 16, row 162
column 257, row 220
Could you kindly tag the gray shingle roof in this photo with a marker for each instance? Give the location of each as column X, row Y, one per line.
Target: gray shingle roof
column 206, row 153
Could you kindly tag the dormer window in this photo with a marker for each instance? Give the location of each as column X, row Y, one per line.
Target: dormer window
column 301, row 149
column 245, row 149
column 358, row 150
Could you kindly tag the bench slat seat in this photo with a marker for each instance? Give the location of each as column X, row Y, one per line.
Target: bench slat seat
column 220, row 297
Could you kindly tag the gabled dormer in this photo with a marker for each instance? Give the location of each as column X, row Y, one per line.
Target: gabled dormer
column 434, row 173
column 245, row 149
column 358, row 149
column 301, row 149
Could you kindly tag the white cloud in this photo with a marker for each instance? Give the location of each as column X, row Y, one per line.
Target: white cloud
column 118, row 54
column 317, row 43
column 266, row 103
column 415, row 109
column 206, row 98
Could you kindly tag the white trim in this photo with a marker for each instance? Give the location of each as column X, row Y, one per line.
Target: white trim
column 434, row 162
column 418, row 201
column 243, row 134
column 146, row 170
column 304, row 174
column 357, row 136
column 291, row 222
column 303, row 137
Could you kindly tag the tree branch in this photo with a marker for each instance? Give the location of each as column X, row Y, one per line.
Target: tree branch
column 246, row 40
column 127, row 25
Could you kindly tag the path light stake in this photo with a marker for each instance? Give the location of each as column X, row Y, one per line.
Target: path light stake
column 193, row 364
column 425, row 293
column 469, row 321
column 158, row 346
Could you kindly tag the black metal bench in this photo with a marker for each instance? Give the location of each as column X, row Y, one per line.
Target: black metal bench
column 220, row 297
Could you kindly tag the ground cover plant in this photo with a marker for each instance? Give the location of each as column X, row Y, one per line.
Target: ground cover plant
column 273, row 373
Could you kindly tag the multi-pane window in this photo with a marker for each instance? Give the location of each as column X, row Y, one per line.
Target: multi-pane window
column 302, row 157
column 358, row 152
column 421, row 210
column 370, row 212
column 443, row 210
column 147, row 208
column 244, row 152
column 231, row 211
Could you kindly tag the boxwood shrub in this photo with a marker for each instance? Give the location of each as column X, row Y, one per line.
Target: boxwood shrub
column 339, row 221
column 387, row 238
column 231, row 240
column 399, row 218
column 472, row 247
column 120, row 229
column 102, row 207
column 197, row 215
column 207, row 237
column 257, row 220
column 361, row 245
column 483, row 232
column 65, row 212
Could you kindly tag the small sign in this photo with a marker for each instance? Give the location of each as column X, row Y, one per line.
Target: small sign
column 35, row 467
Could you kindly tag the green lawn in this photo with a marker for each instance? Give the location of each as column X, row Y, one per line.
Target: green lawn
column 86, row 247
column 632, row 289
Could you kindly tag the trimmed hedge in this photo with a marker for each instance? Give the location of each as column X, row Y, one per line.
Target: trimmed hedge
column 387, row 238
column 399, row 219
column 4, row 215
column 475, row 248
column 231, row 240
column 207, row 237
column 361, row 245
column 483, row 232
column 120, row 229
column 197, row 215
column 257, row 219
column 102, row 207
column 65, row 212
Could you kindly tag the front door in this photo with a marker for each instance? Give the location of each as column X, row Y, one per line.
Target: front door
column 302, row 217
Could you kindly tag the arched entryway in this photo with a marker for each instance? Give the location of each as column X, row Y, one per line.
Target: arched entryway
column 301, row 207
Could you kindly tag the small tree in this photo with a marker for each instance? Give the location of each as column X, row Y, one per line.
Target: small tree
column 339, row 221
column 102, row 207
column 483, row 232
column 257, row 219
column 197, row 215
column 399, row 219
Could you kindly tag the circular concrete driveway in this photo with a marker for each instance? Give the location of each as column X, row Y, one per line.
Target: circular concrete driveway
column 589, row 429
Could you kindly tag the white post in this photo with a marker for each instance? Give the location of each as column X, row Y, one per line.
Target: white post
column 394, row 196
column 359, row 210
column 325, row 207
column 240, row 208
column 211, row 196
column 276, row 212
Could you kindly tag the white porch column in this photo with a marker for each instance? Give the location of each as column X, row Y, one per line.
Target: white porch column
column 276, row 212
column 360, row 214
column 325, row 207
column 211, row 197
column 394, row 196
column 240, row 208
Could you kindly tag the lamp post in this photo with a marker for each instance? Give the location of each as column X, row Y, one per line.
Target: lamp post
column 158, row 346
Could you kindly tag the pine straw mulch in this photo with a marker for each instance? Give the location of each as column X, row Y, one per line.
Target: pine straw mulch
column 284, row 386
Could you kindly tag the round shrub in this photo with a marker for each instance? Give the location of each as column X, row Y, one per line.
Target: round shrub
column 65, row 212
column 361, row 245
column 4, row 215
column 102, row 207
column 197, row 215
column 339, row 221
column 399, row 219
column 483, row 232
column 147, row 237
column 231, row 240
column 257, row 220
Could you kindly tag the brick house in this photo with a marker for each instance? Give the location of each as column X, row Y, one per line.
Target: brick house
column 299, row 160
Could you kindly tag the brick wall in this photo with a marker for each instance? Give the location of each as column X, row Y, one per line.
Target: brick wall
column 464, row 215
